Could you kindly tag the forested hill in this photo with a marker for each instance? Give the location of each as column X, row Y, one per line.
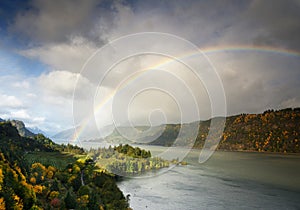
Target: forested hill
column 272, row 131
column 36, row 173
column 22, row 129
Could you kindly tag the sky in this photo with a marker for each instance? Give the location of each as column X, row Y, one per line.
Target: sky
column 94, row 63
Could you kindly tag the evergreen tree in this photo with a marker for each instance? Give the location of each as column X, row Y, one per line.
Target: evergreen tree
column 70, row 199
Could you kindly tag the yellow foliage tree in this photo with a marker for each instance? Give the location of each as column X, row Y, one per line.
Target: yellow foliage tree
column 53, row 194
column 2, row 203
column 38, row 189
column 1, row 178
column 50, row 174
column 83, row 200
column 19, row 203
column 32, row 180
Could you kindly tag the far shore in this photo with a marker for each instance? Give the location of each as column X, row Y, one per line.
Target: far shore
column 258, row 152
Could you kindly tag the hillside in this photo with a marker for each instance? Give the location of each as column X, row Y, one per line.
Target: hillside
column 36, row 173
column 23, row 130
column 20, row 126
column 272, row 131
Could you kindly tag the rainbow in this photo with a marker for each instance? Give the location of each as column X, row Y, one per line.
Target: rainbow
column 206, row 51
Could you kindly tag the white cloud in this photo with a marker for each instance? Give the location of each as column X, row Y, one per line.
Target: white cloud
column 21, row 84
column 31, row 95
column 62, row 84
column 38, row 119
column 37, row 105
column 66, row 56
column 20, row 114
column 7, row 101
column 35, row 122
column 25, row 116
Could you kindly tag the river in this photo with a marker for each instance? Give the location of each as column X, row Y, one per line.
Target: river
column 228, row 180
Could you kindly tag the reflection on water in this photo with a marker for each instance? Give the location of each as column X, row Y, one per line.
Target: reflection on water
column 229, row 180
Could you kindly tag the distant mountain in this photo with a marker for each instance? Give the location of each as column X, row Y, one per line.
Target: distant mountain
column 1, row 120
column 85, row 134
column 36, row 130
column 64, row 135
column 23, row 131
column 272, row 131
column 137, row 134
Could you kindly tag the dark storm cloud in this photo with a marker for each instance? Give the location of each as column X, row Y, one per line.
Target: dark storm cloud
column 268, row 22
column 57, row 21
column 276, row 22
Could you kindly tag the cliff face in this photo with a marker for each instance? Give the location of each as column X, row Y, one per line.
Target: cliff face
column 23, row 131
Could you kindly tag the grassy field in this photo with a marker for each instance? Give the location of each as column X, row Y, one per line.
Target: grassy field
column 56, row 159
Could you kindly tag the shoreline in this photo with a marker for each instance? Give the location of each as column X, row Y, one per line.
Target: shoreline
column 222, row 150
column 257, row 152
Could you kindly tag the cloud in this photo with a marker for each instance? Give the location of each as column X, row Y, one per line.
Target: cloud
column 19, row 114
column 68, row 56
column 255, row 81
column 88, row 25
column 44, row 101
column 271, row 23
column 165, row 17
column 62, row 84
column 291, row 102
column 8, row 101
column 64, row 34
column 31, row 95
column 25, row 116
column 22, row 84
column 54, row 21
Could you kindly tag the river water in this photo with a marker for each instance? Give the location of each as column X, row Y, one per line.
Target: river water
column 228, row 180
